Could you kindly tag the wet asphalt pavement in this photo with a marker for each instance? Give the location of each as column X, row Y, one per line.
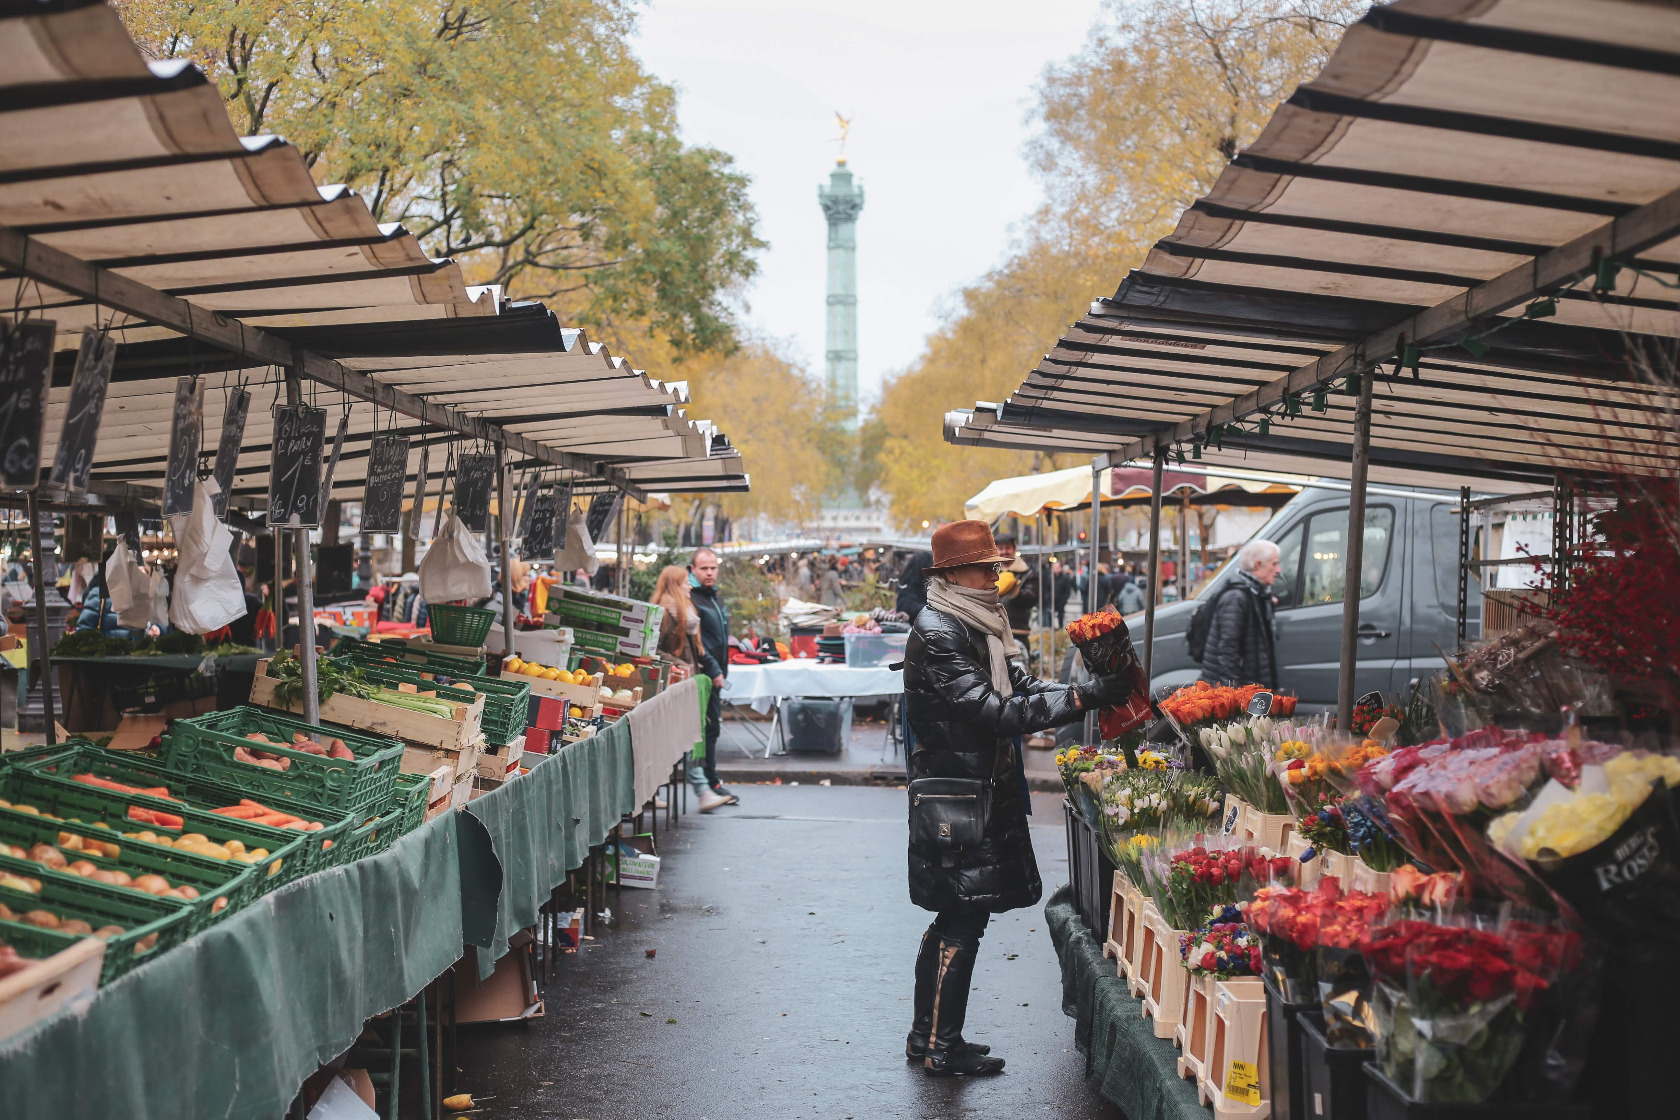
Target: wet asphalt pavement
column 781, row 984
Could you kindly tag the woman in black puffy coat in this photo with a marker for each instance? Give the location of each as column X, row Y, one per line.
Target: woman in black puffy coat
column 968, row 699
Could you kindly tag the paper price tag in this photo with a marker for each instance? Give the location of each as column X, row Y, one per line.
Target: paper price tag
column 1242, row 1082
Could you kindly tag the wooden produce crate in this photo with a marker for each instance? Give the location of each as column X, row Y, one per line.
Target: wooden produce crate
column 583, row 695
column 1116, row 921
column 1167, row 978
column 1236, row 1079
column 383, row 719
column 1192, row 1033
column 499, row 762
column 462, row 760
column 66, row 979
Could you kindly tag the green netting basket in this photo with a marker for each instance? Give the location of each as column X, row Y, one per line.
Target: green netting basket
column 203, row 746
column 460, row 626
column 150, row 924
column 224, row 887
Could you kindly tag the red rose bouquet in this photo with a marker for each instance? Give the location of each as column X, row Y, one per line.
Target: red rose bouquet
column 1199, row 880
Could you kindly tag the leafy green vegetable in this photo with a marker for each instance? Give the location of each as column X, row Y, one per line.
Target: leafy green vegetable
column 179, row 641
column 91, row 643
column 331, row 678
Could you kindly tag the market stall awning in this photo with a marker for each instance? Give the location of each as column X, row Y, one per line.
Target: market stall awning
column 1029, row 495
column 128, row 200
column 1444, row 190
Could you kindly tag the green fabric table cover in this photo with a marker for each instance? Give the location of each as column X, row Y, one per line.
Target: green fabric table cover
column 1135, row 1070
column 178, row 662
column 541, row 826
column 231, row 1022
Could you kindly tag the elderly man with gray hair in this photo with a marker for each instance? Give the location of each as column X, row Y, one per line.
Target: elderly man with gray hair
column 1240, row 647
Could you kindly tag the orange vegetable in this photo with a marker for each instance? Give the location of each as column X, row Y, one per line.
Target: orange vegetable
column 153, row 816
column 106, row 783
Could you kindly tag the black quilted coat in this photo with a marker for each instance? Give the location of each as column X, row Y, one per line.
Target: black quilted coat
column 964, row 728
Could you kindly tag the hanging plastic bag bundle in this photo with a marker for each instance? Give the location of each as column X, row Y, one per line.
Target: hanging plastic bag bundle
column 208, row 594
column 455, row 567
column 129, row 588
column 578, row 551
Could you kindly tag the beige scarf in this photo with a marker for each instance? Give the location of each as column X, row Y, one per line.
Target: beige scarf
column 983, row 611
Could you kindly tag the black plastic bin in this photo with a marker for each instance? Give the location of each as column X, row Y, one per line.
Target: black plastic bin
column 1090, row 872
column 1385, row 1101
column 816, row 726
column 1332, row 1086
column 1288, row 1074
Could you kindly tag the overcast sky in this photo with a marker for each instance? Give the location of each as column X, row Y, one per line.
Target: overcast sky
column 937, row 92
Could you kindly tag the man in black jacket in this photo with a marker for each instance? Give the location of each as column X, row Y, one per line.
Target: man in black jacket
column 968, row 698
column 1240, row 646
column 714, row 655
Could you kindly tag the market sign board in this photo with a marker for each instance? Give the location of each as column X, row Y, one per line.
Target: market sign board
column 25, row 375
column 80, row 433
column 227, row 450
column 294, row 481
column 473, row 476
column 387, row 471
column 186, row 428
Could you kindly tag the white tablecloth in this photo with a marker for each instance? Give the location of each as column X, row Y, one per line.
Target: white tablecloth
column 662, row 729
column 762, row 685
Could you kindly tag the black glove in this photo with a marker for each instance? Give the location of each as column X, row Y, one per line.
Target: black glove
column 1107, row 692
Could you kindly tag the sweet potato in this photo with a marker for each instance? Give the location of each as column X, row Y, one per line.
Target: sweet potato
column 153, row 816
column 240, row 754
column 340, row 751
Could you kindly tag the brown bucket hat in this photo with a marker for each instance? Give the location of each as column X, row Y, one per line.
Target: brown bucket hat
column 964, row 542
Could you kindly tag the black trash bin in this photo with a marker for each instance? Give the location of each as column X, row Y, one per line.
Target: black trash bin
column 815, row 726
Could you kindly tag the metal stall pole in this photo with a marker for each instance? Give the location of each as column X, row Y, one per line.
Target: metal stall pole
column 1355, row 549
column 1463, row 563
column 306, row 593
column 1093, row 593
column 40, row 543
column 1183, row 548
column 1154, row 566
column 505, row 524
column 279, row 541
column 1046, row 596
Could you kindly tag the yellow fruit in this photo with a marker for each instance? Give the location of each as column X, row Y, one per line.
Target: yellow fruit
column 575, row 712
column 234, row 846
column 512, row 665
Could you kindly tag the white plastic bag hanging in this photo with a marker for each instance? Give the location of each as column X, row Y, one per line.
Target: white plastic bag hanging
column 455, row 566
column 579, row 550
column 128, row 588
column 159, row 605
column 208, row 594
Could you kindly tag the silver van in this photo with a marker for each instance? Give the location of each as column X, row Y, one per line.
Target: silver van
column 1408, row 594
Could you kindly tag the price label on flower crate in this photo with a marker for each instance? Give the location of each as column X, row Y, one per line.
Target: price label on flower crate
column 25, row 373
column 1242, row 1082
column 473, row 476
column 227, row 448
column 1261, row 705
column 386, row 473
column 294, row 483
column 80, row 432
column 186, row 429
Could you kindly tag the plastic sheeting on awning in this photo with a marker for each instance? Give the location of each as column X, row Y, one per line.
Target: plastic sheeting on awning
column 1029, row 495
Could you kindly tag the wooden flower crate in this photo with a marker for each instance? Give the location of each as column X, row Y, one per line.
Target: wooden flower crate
column 383, row 719
column 1116, row 920
column 1192, row 1033
column 1236, row 1080
column 1306, row 874
column 1269, row 830
column 1167, row 978
column 1131, row 931
column 1137, row 977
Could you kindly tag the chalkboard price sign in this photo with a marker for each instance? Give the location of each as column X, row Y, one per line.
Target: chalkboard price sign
column 332, row 460
column 186, row 428
column 25, row 373
column 539, row 532
column 227, row 451
column 387, row 471
column 602, row 509
column 473, row 476
column 294, row 483
column 80, row 433
column 419, row 495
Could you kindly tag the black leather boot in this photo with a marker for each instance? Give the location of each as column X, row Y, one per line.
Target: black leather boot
column 927, row 978
column 947, row 1054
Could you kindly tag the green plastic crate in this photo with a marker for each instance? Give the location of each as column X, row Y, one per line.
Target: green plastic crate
column 460, row 626
column 51, row 789
column 576, row 610
column 431, row 660
column 506, row 700
column 363, row 840
column 413, row 793
column 233, row 884
column 70, row 896
column 203, row 746
column 33, row 942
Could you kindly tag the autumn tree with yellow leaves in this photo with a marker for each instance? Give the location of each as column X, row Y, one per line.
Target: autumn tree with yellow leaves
column 1130, row 131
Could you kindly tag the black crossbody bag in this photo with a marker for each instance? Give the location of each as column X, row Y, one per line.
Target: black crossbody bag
column 949, row 813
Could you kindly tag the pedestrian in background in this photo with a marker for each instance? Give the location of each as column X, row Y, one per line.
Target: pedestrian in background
column 912, row 584
column 1240, row 646
column 708, row 602
column 968, row 697
column 832, row 591
column 1065, row 585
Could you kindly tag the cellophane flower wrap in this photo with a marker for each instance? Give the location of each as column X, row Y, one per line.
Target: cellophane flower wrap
column 1223, row 946
column 1609, row 848
column 1293, row 923
column 1191, row 880
column 1242, row 752
column 1083, row 770
column 1455, row 1003
column 1356, row 823
column 1159, row 793
column 1203, row 704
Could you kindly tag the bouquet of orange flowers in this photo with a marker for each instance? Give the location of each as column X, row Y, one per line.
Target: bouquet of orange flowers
column 1202, row 702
